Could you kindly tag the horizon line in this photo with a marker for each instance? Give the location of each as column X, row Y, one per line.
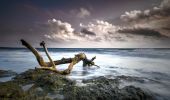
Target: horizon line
column 81, row 48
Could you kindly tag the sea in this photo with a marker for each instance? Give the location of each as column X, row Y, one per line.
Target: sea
column 151, row 66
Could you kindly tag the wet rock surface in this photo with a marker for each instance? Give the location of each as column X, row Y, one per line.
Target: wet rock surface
column 46, row 85
column 7, row 73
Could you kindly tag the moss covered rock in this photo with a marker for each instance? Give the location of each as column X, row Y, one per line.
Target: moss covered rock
column 10, row 90
column 44, row 85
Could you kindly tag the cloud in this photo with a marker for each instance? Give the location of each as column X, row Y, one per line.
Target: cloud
column 141, row 31
column 60, row 30
column 157, row 19
column 63, row 31
column 132, row 15
column 83, row 13
column 95, row 34
column 162, row 11
column 97, row 31
column 87, row 32
column 101, row 29
column 165, row 4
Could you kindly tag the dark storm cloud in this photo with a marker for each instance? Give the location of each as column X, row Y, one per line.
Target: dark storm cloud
column 149, row 22
column 86, row 31
column 141, row 31
column 166, row 28
column 160, row 12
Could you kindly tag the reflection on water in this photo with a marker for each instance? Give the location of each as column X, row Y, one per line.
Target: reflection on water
column 151, row 66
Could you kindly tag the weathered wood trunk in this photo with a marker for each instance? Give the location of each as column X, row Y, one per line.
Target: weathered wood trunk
column 51, row 65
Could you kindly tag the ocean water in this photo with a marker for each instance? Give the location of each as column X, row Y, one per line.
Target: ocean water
column 150, row 68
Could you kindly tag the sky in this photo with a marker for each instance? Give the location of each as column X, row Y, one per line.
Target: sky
column 86, row 23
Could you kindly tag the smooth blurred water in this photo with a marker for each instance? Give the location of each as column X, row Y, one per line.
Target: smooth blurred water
column 152, row 65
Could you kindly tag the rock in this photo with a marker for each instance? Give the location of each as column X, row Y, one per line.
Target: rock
column 102, row 88
column 43, row 78
column 44, row 85
column 10, row 90
column 7, row 73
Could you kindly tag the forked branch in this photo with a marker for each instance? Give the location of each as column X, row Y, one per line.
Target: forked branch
column 52, row 64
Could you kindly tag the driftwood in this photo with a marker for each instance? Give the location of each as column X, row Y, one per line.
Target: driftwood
column 52, row 64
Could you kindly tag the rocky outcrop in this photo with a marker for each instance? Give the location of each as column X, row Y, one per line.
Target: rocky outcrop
column 45, row 85
column 7, row 73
